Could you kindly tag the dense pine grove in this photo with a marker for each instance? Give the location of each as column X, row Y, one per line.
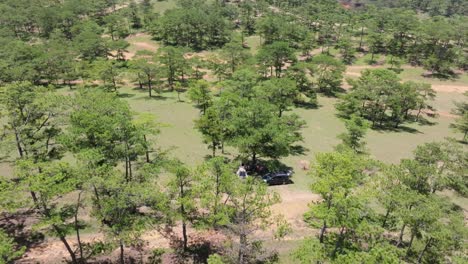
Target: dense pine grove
column 85, row 162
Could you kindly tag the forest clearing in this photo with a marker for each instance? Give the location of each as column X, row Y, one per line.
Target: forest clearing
column 124, row 123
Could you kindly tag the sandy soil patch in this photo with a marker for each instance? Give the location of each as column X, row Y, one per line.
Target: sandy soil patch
column 294, row 203
column 136, row 44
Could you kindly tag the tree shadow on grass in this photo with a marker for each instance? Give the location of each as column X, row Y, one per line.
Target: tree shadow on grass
column 308, row 105
column 154, row 97
column 396, row 70
column 399, row 129
column 125, row 95
column 426, row 122
column 18, row 226
column 451, row 75
column 298, row 150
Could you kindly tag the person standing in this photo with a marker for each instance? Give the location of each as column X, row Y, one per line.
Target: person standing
column 241, row 172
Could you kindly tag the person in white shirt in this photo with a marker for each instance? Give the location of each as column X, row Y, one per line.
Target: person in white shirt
column 241, row 172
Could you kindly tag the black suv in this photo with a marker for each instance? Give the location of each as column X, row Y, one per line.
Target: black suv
column 280, row 177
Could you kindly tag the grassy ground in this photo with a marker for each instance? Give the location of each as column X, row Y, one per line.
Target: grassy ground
column 320, row 135
column 254, row 43
column 160, row 6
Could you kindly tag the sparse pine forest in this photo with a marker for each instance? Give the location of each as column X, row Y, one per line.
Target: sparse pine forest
column 233, row 131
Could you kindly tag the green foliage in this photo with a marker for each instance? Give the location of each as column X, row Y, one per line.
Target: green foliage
column 173, row 63
column 275, row 55
column 299, row 72
column 215, row 184
column 215, row 259
column 199, row 93
column 379, row 97
column 365, row 206
column 146, row 70
column 235, row 54
column 213, row 125
column 461, row 123
column 242, row 83
column 250, row 211
column 107, row 71
column 182, row 194
column 92, row 126
column 275, row 27
column 328, row 73
column 8, row 249
column 258, row 131
column 281, row 92
column 356, row 129
column 447, row 164
column 198, row 26
column 33, row 121
column 311, row 250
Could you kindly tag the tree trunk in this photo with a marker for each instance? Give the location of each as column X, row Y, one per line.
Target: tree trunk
column 122, row 258
column 114, row 83
column 242, row 244
column 126, row 170
column 400, row 239
column 146, row 151
column 67, row 245
column 18, row 143
column 184, row 235
column 140, row 84
column 410, row 244
column 254, row 159
column 386, row 218
column 360, row 41
column 213, row 148
column 130, row 170
column 184, row 224
column 34, row 197
column 424, row 250
column 339, row 241
column 77, row 228
column 150, row 88
column 322, row 231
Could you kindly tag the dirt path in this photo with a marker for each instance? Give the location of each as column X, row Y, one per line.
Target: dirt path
column 136, row 45
column 294, row 203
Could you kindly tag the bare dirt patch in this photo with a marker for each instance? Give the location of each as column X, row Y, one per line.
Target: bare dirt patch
column 294, row 203
column 139, row 41
column 450, row 88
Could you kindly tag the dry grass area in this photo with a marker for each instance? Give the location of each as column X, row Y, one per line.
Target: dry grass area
column 140, row 42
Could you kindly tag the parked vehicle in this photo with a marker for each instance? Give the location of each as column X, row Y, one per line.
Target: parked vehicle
column 276, row 178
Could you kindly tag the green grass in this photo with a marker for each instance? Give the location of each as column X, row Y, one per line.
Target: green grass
column 320, row 133
column 162, row 6
column 178, row 133
column 416, row 74
column 363, row 60
column 254, row 43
